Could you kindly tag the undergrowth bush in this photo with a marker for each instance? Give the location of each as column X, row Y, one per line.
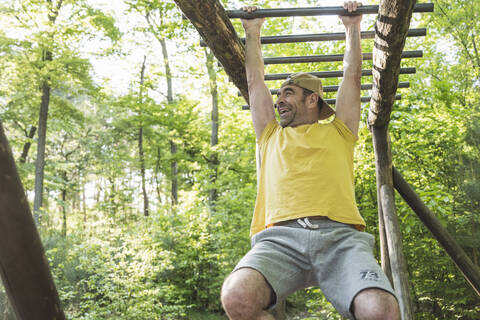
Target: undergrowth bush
column 165, row 266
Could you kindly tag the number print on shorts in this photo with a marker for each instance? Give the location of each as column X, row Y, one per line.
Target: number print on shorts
column 369, row 275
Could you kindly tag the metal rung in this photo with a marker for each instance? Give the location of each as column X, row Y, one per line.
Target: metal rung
column 332, row 74
column 331, row 58
column 333, row 101
column 417, row 32
column 367, row 86
column 362, row 99
column 315, row 11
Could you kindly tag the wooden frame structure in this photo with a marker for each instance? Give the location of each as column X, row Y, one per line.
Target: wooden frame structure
column 23, row 266
column 391, row 30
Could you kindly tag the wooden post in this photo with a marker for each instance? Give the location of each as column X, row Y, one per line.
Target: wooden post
column 384, row 256
column 390, row 32
column 386, row 203
column 23, row 266
column 470, row 271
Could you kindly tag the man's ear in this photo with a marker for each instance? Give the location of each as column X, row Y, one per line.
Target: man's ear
column 313, row 100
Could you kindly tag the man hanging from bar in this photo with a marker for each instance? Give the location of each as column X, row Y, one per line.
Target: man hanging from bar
column 306, row 229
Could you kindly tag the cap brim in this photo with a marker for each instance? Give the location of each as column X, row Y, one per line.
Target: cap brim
column 326, row 111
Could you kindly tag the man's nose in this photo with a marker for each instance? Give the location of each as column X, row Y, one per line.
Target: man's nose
column 279, row 101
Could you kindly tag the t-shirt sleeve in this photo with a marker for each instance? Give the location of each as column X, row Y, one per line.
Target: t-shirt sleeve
column 344, row 131
column 267, row 132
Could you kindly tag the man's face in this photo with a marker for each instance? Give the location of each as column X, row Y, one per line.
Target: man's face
column 290, row 106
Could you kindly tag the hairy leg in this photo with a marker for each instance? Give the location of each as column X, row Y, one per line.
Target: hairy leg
column 373, row 304
column 246, row 295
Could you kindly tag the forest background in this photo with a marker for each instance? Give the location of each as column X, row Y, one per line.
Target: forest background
column 140, row 163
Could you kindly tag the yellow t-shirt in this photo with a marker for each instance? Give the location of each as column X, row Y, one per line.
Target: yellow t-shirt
column 306, row 171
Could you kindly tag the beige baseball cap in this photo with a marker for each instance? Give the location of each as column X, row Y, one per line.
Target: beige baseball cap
column 312, row 83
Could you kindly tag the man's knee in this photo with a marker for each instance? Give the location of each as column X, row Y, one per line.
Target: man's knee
column 245, row 293
column 375, row 304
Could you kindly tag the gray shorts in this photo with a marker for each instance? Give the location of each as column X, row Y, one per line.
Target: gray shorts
column 336, row 257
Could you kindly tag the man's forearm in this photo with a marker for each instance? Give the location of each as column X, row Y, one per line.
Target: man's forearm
column 253, row 57
column 352, row 62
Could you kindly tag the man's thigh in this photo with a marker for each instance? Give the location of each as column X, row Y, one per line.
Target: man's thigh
column 278, row 255
column 346, row 265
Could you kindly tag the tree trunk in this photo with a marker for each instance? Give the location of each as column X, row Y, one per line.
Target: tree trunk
column 213, row 160
column 140, row 147
column 27, row 145
column 64, row 212
column 84, row 202
column 111, row 197
column 168, row 72
column 174, row 173
column 157, row 178
column 142, row 171
column 23, row 266
column 41, row 143
column 173, row 146
column 42, row 121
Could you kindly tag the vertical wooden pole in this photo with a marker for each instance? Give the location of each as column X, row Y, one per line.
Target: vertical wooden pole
column 386, row 202
column 23, row 266
column 384, row 256
column 391, row 30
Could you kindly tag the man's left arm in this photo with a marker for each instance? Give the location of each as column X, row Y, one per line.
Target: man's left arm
column 348, row 97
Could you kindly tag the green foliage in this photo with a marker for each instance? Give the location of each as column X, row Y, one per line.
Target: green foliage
column 175, row 267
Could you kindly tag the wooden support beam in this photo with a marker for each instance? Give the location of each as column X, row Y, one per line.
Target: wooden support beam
column 211, row 21
column 336, row 36
column 335, row 74
column 315, row 11
column 382, row 233
column 470, row 271
column 23, row 266
column 391, row 29
column 386, row 207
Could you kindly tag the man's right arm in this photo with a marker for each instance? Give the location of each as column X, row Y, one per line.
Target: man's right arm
column 261, row 103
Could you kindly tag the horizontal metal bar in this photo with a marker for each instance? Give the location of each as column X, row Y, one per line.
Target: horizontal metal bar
column 367, row 86
column 333, row 101
column 331, row 74
column 362, row 99
column 315, row 11
column 416, row 32
column 331, row 58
